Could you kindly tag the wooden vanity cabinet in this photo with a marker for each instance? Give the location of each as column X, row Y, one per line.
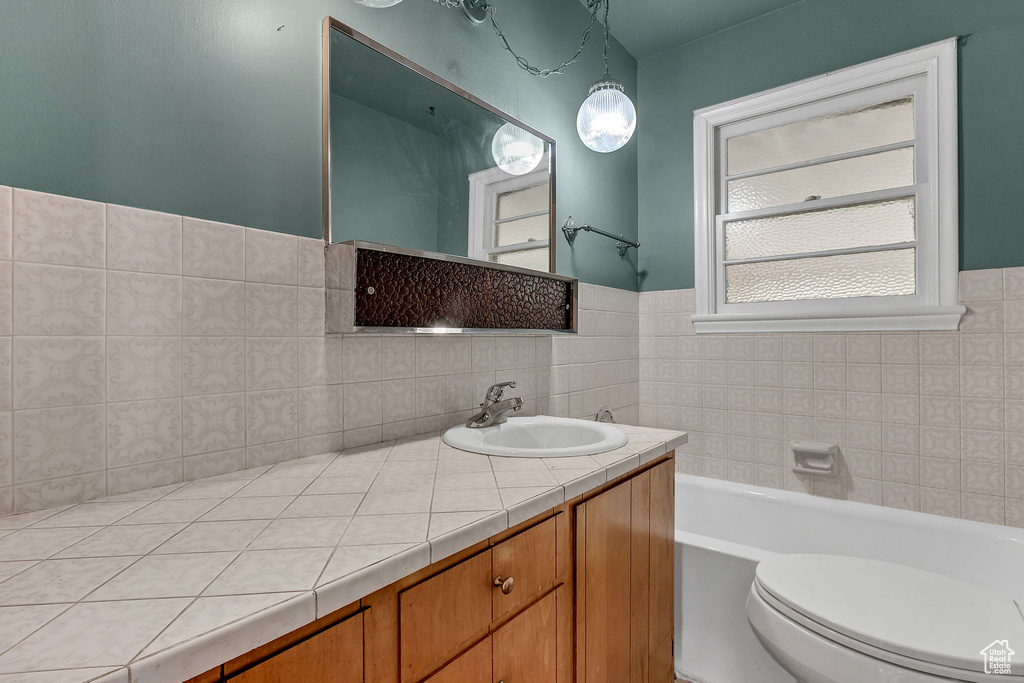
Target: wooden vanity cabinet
column 624, row 581
column 582, row 592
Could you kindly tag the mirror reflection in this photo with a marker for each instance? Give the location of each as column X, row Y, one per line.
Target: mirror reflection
column 414, row 162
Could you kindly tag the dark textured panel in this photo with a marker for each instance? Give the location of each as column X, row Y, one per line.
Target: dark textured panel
column 414, row 291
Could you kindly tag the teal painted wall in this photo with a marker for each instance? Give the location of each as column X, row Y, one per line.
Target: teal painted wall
column 211, row 108
column 811, row 38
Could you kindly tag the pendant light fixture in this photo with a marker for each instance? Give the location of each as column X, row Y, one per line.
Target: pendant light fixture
column 607, row 118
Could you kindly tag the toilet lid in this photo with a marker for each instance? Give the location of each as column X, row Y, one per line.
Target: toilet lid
column 898, row 609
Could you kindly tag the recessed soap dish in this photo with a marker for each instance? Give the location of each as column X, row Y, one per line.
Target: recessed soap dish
column 815, row 458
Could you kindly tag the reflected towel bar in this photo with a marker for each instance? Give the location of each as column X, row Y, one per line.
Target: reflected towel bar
column 622, row 244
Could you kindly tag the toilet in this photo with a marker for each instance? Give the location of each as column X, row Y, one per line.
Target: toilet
column 834, row 619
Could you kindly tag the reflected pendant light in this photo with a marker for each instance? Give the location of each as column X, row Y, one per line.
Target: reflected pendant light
column 515, row 150
column 607, row 118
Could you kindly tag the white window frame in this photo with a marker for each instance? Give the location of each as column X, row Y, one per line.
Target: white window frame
column 484, row 188
column 929, row 73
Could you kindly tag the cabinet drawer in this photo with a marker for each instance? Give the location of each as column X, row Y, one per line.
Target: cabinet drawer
column 472, row 667
column 524, row 648
column 334, row 655
column 528, row 559
column 442, row 615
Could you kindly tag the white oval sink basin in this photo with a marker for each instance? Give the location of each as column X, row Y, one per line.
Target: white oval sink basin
column 538, row 437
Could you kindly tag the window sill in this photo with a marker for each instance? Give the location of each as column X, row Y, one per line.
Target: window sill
column 937, row 318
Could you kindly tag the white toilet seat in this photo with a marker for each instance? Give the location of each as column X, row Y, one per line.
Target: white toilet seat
column 831, row 619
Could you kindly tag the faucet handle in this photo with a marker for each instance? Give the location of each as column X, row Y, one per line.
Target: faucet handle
column 495, row 392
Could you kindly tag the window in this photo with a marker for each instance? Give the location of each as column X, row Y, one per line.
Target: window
column 509, row 217
column 831, row 204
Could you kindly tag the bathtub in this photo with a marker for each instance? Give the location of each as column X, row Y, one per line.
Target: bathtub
column 724, row 529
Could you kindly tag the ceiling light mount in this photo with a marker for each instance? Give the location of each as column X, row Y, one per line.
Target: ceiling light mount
column 475, row 10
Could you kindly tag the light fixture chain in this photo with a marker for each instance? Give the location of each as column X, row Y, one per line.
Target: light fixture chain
column 560, row 69
column 448, row 4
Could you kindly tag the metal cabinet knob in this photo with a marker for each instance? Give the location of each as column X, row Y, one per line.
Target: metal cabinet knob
column 506, row 586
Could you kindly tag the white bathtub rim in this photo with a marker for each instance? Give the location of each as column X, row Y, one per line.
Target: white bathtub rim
column 867, row 510
column 718, row 545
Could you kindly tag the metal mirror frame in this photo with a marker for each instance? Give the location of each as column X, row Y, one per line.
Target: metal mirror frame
column 329, row 24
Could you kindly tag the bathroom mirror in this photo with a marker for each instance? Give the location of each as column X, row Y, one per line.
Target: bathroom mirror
column 412, row 161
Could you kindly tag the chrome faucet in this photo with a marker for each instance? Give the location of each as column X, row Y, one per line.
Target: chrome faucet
column 494, row 408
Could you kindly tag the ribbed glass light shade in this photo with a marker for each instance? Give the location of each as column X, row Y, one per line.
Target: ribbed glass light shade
column 377, row 3
column 607, row 118
column 515, row 150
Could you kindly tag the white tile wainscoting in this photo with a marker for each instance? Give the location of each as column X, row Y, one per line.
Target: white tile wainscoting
column 925, row 421
column 139, row 349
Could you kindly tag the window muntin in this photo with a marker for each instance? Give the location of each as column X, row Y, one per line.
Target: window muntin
column 830, row 204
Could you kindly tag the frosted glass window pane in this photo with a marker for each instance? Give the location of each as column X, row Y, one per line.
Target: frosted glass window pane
column 848, row 131
column 877, row 273
column 844, row 227
column 526, row 200
column 522, row 230
column 537, row 259
column 881, row 171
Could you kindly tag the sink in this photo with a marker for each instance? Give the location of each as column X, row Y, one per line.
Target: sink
column 538, row 437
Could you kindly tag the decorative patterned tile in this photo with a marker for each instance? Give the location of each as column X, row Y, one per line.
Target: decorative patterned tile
column 311, row 260
column 59, row 230
column 55, row 371
column 143, row 241
column 213, row 365
column 58, row 300
column 213, row 250
column 271, row 257
column 213, row 423
column 58, row 442
column 362, row 404
column 271, row 453
column 143, row 367
column 6, row 216
column 321, row 410
column 142, row 304
column 271, row 310
column 47, row 493
column 213, row 307
column 270, row 363
column 311, row 313
column 271, row 415
column 143, row 432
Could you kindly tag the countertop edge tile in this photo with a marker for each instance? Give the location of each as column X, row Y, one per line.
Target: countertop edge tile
column 581, row 485
column 202, row 653
column 531, row 507
column 334, row 595
column 451, row 542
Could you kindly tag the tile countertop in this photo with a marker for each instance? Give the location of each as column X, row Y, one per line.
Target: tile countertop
column 166, row 583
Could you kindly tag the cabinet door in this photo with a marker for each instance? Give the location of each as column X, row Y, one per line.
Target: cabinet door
column 334, row 655
column 443, row 615
column 603, row 585
column 662, row 570
column 524, row 648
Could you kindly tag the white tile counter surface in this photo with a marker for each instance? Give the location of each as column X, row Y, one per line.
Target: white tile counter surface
column 166, row 583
